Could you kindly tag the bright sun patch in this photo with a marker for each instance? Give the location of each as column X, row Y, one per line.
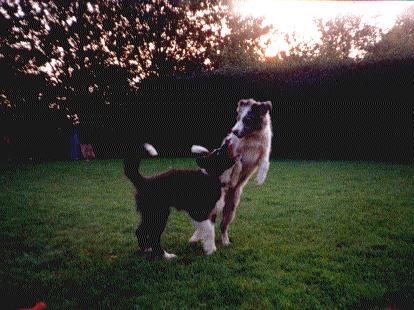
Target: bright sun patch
column 298, row 16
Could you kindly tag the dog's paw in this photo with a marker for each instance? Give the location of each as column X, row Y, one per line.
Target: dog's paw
column 225, row 240
column 260, row 181
column 209, row 247
column 168, row 256
column 210, row 250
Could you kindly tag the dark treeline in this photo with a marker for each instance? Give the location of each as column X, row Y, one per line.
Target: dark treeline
column 359, row 111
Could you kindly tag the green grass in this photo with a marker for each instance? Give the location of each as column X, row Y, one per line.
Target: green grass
column 315, row 235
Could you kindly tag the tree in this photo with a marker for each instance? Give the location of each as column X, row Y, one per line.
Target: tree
column 242, row 46
column 344, row 37
column 89, row 54
column 299, row 51
column 398, row 42
column 20, row 28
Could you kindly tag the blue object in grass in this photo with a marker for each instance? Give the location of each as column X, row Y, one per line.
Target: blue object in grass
column 75, row 144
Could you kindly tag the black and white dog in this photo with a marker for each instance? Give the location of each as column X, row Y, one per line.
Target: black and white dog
column 194, row 191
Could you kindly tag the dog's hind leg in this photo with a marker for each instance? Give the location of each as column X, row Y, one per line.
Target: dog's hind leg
column 158, row 223
column 142, row 234
column 229, row 211
column 143, row 240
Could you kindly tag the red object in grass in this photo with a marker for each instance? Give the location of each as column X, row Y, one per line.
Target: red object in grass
column 39, row 306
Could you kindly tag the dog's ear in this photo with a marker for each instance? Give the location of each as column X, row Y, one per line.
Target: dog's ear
column 265, row 107
column 268, row 105
column 244, row 102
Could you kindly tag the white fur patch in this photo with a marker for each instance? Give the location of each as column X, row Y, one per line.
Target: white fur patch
column 262, row 172
column 197, row 235
column 232, row 139
column 150, row 149
column 169, row 256
column 198, row 149
column 205, row 232
column 239, row 126
column 226, row 176
column 220, row 203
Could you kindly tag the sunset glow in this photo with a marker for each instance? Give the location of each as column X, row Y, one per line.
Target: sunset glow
column 297, row 16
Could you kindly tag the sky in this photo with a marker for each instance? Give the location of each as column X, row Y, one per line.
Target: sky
column 298, row 16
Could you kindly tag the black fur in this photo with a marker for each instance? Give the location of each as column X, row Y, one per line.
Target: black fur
column 193, row 191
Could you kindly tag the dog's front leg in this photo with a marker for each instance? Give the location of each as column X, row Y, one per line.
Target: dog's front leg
column 209, row 244
column 205, row 232
column 262, row 172
column 235, row 173
column 198, row 234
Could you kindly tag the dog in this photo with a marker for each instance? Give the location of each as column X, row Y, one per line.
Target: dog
column 250, row 139
column 195, row 191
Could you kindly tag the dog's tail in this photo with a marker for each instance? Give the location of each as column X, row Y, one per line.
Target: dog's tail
column 198, row 149
column 132, row 160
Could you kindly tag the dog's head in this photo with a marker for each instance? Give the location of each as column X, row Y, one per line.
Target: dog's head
column 217, row 161
column 251, row 116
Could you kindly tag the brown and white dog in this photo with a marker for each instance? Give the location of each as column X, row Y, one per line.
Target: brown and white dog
column 250, row 139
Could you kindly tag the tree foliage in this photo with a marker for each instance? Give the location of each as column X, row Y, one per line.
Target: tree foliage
column 398, row 42
column 345, row 36
column 98, row 51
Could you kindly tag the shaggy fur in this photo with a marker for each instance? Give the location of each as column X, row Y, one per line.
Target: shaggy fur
column 250, row 139
column 194, row 191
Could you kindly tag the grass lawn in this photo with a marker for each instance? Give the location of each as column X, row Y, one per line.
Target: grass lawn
column 315, row 235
